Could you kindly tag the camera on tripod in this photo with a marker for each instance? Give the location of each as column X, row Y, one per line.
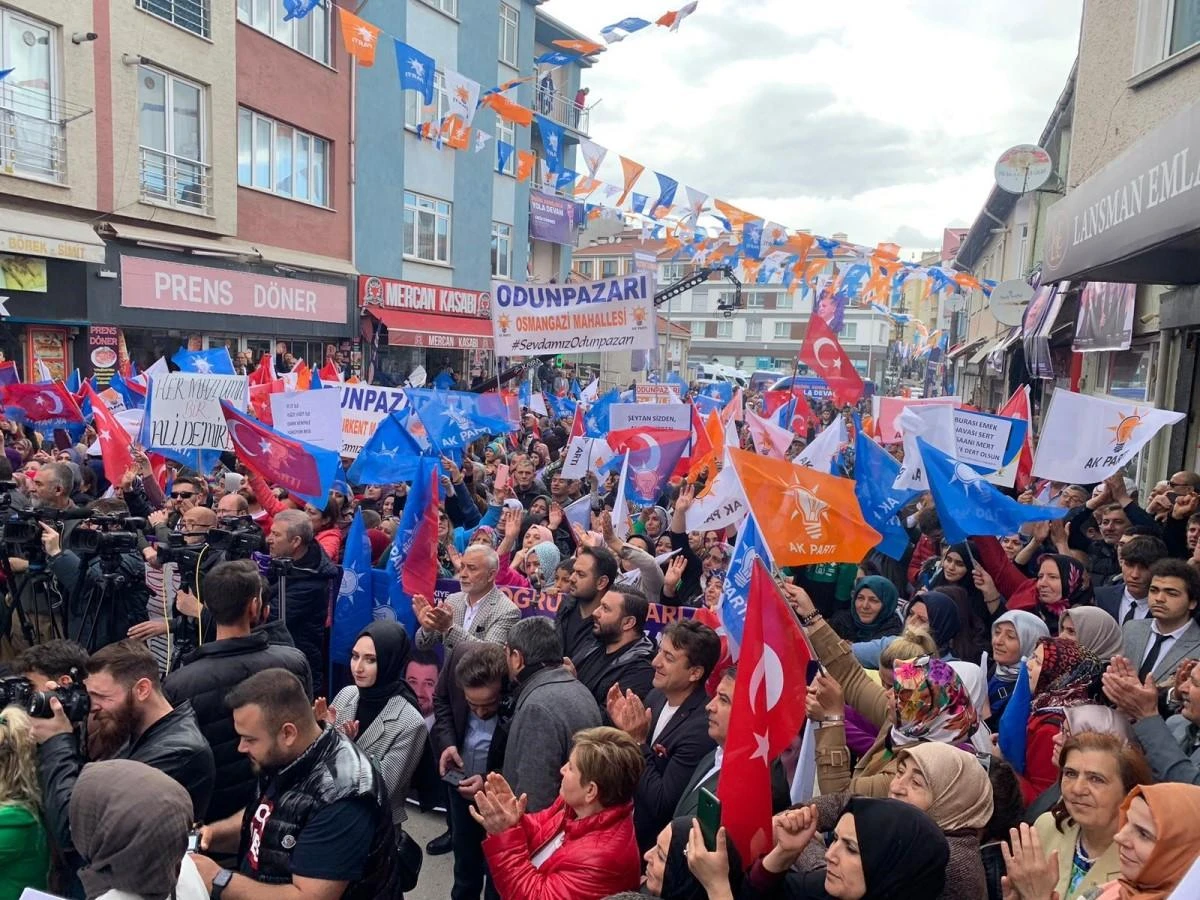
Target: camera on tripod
column 110, row 536
column 238, row 537
column 22, row 530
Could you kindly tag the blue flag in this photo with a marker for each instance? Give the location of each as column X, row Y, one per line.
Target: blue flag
column 204, row 362
column 524, row 394
column 133, row 399
column 556, row 58
column 410, row 527
column 416, row 70
column 675, row 380
column 752, row 233
column 552, row 140
column 596, row 419
column 504, row 152
column 298, row 9
column 721, row 390
column 74, row 384
column 705, row 404
column 1014, row 721
column 561, row 407
column 454, row 419
column 968, row 505
column 390, row 455
column 352, row 610
column 666, row 191
column 874, row 473
column 735, row 592
column 566, row 177
column 381, row 586
column 576, row 391
column 638, row 202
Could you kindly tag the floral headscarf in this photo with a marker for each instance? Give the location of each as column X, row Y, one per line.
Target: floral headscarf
column 932, row 704
column 1070, row 675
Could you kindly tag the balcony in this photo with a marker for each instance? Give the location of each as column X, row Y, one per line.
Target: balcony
column 33, row 133
column 561, row 109
column 190, row 15
column 168, row 180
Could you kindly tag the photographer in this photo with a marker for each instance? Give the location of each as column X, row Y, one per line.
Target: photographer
column 309, row 579
column 130, row 719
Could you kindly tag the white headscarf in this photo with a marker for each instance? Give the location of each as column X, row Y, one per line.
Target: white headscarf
column 975, row 682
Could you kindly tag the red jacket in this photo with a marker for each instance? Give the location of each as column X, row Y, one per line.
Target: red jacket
column 599, row 855
column 1041, row 770
column 1017, row 588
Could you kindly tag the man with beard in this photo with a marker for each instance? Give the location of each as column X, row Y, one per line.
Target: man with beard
column 594, row 573
column 130, row 719
column 320, row 830
column 623, row 658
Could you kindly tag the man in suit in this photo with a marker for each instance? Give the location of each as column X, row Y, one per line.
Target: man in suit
column 1156, row 646
column 1172, row 747
column 673, row 730
column 1130, row 599
column 708, row 770
column 479, row 612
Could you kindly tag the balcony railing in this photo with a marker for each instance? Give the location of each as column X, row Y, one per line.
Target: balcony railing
column 33, row 133
column 168, row 180
column 561, row 109
column 190, row 15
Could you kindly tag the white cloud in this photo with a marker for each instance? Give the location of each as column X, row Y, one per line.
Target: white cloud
column 871, row 117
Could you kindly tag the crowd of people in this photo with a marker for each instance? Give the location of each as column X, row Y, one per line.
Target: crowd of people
column 1012, row 717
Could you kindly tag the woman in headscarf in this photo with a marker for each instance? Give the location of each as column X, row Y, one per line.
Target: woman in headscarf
column 1014, row 637
column 937, row 612
column 1061, row 582
column 973, row 637
column 380, row 711
column 131, row 823
column 667, row 872
column 958, row 569
column 1093, row 629
column 871, row 615
column 538, row 564
column 975, row 681
column 654, row 523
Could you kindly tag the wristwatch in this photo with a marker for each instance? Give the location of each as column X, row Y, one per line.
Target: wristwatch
column 220, row 882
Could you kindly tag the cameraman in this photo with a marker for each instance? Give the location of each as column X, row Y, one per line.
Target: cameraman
column 233, row 513
column 310, row 586
column 130, row 715
column 84, row 585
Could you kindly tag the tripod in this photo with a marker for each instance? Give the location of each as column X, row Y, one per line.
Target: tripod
column 40, row 588
column 100, row 597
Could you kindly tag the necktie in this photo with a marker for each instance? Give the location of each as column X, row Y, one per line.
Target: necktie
column 1152, row 657
column 1129, row 615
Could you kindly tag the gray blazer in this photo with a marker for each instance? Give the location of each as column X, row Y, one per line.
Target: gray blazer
column 1163, row 743
column 1136, row 635
column 394, row 741
column 496, row 615
column 551, row 706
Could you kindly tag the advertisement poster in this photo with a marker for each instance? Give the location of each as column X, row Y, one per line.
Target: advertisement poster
column 552, row 219
column 1105, row 317
column 49, row 346
column 22, row 273
column 103, row 352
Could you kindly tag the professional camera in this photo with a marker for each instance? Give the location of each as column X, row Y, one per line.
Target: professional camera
column 15, row 690
column 23, row 529
column 238, row 538
column 111, row 536
column 179, row 551
column 74, row 699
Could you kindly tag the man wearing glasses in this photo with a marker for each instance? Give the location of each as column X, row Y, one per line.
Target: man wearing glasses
column 1183, row 500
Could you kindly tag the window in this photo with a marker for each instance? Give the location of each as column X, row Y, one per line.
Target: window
column 783, row 330
column 507, row 132
column 281, row 159
column 33, row 139
column 753, row 329
column 501, row 250
column 754, row 300
column 190, row 15
column 510, row 24
column 309, row 35
column 415, row 112
column 608, row 268
column 426, row 228
column 673, row 272
column 449, row 7
column 1185, row 25
column 1164, row 29
column 584, row 267
column 725, row 329
column 172, row 139
column 697, row 328
column 784, row 300
column 849, row 332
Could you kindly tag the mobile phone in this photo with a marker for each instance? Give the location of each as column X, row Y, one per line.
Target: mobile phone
column 193, row 842
column 813, row 670
column 708, row 813
column 501, row 477
column 454, row 777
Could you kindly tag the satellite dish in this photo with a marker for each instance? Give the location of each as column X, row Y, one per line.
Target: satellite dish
column 1009, row 299
column 1023, row 168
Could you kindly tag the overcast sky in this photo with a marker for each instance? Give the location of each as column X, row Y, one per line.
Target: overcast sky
column 879, row 118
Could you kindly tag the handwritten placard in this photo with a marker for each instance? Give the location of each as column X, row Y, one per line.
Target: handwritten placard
column 184, row 410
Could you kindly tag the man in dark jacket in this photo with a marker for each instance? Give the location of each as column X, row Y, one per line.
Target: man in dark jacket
column 234, row 599
column 309, row 588
column 130, row 719
column 595, row 570
column 625, row 651
column 473, row 709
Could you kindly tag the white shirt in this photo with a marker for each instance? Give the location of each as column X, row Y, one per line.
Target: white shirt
column 718, row 758
column 470, row 611
column 1142, row 607
column 1171, row 638
column 190, row 886
column 663, row 718
column 548, row 849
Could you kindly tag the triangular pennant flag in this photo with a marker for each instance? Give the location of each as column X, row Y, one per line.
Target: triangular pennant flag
column 593, row 155
column 632, row 171
column 462, row 95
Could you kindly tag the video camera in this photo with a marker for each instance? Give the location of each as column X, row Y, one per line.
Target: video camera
column 238, row 537
column 110, row 536
column 17, row 690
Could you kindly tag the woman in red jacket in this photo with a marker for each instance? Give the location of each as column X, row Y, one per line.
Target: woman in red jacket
column 581, row 848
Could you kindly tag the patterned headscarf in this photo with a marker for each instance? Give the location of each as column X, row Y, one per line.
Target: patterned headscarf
column 932, row 704
column 1074, row 582
column 1070, row 675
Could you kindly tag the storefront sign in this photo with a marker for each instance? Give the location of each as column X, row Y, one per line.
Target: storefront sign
column 157, row 284
column 312, row 416
column 436, row 340
column 185, row 410
column 16, row 242
column 659, row 416
column 103, row 350
column 654, row 393
column 22, row 273
column 364, row 406
column 532, row 319
column 552, row 219
column 418, row 297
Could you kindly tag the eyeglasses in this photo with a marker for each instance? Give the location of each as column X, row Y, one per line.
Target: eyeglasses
column 179, row 495
column 1182, row 487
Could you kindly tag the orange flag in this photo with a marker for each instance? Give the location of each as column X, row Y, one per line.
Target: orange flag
column 706, row 460
column 736, row 217
column 455, row 132
column 360, row 37
column 804, row 515
column 525, row 159
column 586, row 48
column 509, row 109
column 633, row 171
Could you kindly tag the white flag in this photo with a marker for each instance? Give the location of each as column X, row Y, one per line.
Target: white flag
column 44, row 373
column 537, row 403
column 620, row 513
column 769, row 439
column 934, row 425
column 695, row 198
column 724, row 505
column 462, row 94
column 591, row 392
column 481, row 139
column 824, row 447
column 805, row 778
column 580, row 512
column 417, row 377
column 1086, row 439
column 593, row 155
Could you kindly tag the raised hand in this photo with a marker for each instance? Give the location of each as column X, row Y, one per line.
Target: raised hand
column 1031, row 873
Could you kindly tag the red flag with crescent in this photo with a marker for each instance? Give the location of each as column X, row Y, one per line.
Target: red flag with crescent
column 116, row 447
column 302, row 469
column 823, row 354
column 653, row 456
column 42, row 402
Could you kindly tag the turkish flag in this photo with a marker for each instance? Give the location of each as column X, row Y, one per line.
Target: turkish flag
column 260, row 399
column 116, row 448
column 698, row 447
column 42, row 402
column 265, row 373
column 1017, row 407
column 302, row 469
column 823, row 354
column 767, row 713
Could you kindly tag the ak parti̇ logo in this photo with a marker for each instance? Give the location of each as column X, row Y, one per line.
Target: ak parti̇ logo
column 1124, row 429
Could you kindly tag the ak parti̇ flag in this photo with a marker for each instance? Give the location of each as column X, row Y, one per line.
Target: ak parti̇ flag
column 116, row 447
column 359, row 36
column 822, row 353
column 767, row 713
column 806, row 516
column 525, row 161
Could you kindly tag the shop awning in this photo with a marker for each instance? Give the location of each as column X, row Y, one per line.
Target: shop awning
column 981, row 354
column 30, row 234
column 1137, row 220
column 227, row 246
column 415, row 329
column 960, row 349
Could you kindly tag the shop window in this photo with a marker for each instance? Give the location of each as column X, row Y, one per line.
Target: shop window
column 33, row 138
column 510, row 25
column 281, row 159
column 415, row 112
column 426, row 228
column 190, row 15
column 507, row 132
column 309, row 35
column 171, row 133
column 501, row 250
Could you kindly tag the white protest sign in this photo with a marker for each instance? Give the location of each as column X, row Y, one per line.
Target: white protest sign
column 980, row 439
column 364, row 406
column 888, row 413
column 312, row 416
column 184, row 410
column 535, row 319
column 661, row 416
